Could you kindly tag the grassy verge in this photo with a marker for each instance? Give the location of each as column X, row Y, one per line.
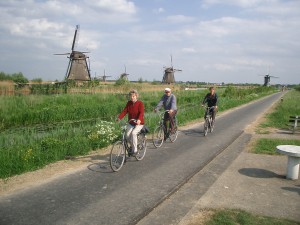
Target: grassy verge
column 278, row 118
column 231, row 217
column 268, row 145
column 289, row 106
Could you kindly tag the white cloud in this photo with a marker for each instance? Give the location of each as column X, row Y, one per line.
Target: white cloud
column 240, row 3
column 189, row 50
column 116, row 6
column 180, row 19
column 222, row 41
column 159, row 10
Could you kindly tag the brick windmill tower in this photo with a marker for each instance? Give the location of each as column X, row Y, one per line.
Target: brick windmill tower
column 169, row 77
column 78, row 67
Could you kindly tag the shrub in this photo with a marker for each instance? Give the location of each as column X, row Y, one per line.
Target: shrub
column 103, row 134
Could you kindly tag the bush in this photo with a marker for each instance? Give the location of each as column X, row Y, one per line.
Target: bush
column 103, row 134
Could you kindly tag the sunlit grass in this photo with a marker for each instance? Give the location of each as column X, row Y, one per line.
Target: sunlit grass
column 268, row 145
column 235, row 216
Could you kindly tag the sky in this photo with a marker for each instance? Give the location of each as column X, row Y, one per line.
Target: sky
column 215, row 41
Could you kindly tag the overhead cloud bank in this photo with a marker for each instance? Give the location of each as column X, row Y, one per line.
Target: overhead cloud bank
column 230, row 41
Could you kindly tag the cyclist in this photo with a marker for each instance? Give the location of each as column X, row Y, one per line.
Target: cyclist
column 211, row 99
column 135, row 110
column 168, row 101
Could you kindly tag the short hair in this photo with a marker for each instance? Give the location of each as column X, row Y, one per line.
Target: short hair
column 211, row 88
column 133, row 92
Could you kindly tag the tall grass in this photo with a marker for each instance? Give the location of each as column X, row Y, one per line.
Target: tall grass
column 37, row 130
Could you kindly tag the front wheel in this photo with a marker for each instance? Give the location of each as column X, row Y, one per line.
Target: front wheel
column 117, row 156
column 141, row 147
column 212, row 124
column 206, row 125
column 158, row 137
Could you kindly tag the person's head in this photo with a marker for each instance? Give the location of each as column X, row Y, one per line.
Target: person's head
column 212, row 90
column 168, row 91
column 133, row 95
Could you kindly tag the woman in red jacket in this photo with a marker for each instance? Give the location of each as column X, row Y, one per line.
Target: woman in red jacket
column 135, row 110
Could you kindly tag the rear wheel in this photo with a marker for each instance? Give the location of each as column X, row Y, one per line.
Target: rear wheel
column 158, row 136
column 117, row 156
column 141, row 147
column 174, row 133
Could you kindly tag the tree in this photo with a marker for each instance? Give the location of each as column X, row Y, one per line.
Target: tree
column 4, row 76
column 19, row 78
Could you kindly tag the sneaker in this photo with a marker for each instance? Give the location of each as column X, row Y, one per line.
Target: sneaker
column 130, row 152
column 134, row 154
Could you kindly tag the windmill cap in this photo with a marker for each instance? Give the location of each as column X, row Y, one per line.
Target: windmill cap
column 168, row 89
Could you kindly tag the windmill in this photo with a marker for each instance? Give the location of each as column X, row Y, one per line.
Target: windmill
column 78, row 68
column 267, row 79
column 104, row 77
column 124, row 75
column 168, row 77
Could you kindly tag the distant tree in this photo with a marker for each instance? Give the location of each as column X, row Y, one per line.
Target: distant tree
column 140, row 80
column 121, row 81
column 4, row 76
column 19, row 78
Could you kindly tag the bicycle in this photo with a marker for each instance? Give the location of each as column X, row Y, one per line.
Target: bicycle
column 159, row 137
column 121, row 151
column 208, row 120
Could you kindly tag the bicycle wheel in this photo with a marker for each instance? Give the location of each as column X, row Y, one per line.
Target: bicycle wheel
column 117, row 156
column 158, row 136
column 141, row 147
column 206, row 124
column 174, row 133
column 212, row 124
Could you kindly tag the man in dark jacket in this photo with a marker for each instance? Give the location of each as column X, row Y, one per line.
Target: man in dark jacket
column 212, row 101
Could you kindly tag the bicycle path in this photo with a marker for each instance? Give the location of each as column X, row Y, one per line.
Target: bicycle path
column 93, row 196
